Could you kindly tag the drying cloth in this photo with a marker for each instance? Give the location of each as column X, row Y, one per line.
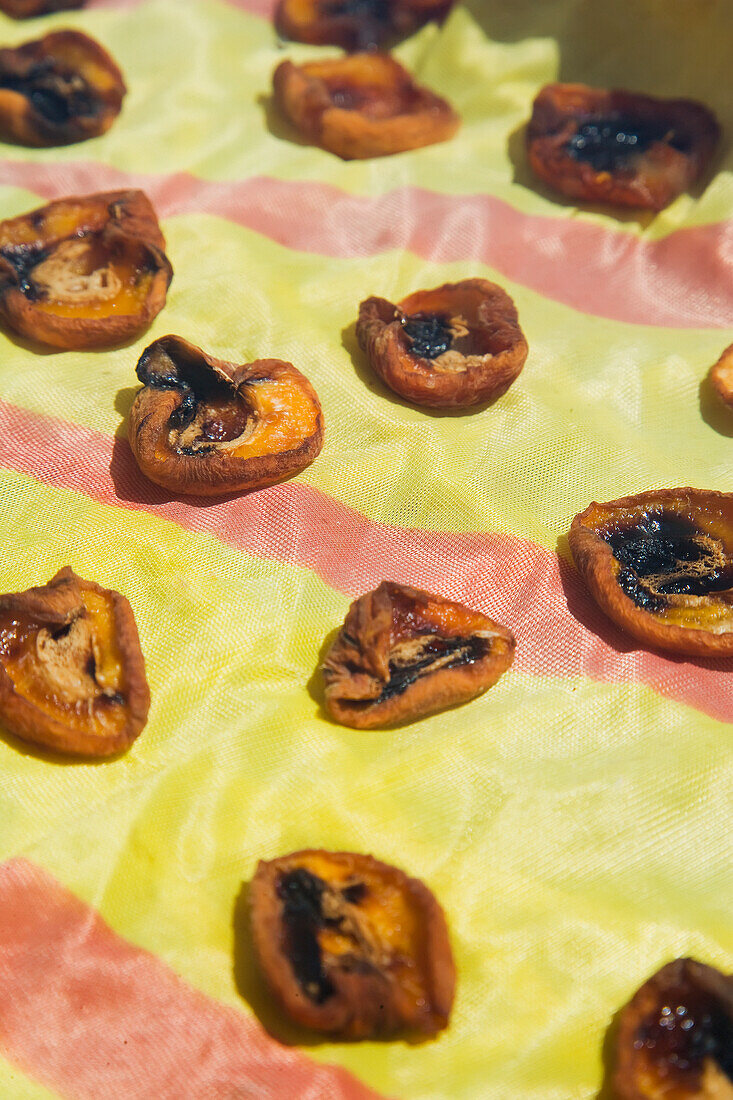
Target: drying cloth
column 574, row 821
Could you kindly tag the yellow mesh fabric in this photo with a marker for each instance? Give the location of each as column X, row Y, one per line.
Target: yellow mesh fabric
column 575, row 828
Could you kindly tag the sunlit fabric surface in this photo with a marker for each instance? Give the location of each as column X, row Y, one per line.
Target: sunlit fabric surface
column 575, row 821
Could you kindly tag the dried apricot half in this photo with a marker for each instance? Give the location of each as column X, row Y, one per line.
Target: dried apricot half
column 83, row 272
column 660, row 564
column 352, row 946
column 403, row 653
column 207, row 427
column 364, row 105
column 28, row 9
column 721, row 376
column 675, row 1036
column 58, row 89
column 619, row 147
column 452, row 347
column 355, row 24
column 72, row 675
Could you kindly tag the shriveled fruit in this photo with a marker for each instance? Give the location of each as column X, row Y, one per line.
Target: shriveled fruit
column 58, row 89
column 455, row 346
column 660, row 564
column 72, row 675
column 721, row 376
column 207, row 427
column 83, row 272
column 675, row 1036
column 619, row 147
column 28, row 9
column 352, row 946
column 365, row 105
column 403, row 653
column 355, row 24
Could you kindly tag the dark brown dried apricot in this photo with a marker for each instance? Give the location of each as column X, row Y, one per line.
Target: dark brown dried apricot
column 28, row 9
column 83, row 272
column 58, row 89
column 403, row 653
column 206, row 427
column 351, row 946
column 452, row 347
column 675, row 1036
column 619, row 147
column 660, row 564
column 355, row 24
column 72, row 675
column 361, row 106
column 721, row 376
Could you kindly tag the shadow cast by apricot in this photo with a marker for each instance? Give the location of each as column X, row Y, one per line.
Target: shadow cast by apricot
column 713, row 410
column 583, row 607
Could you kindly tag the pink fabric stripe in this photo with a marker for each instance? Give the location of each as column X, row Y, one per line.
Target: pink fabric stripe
column 95, row 1018
column 684, row 280
column 560, row 631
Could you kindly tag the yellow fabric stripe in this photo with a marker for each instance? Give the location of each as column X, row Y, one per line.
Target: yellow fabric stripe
column 16, row 1085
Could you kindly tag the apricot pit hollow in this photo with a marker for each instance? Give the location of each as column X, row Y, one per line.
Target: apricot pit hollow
column 355, row 24
column 58, row 90
column 675, row 1036
column 83, row 272
column 72, row 674
column 452, row 347
column 206, row 427
column 403, row 653
column 660, row 564
column 619, row 147
column 351, row 946
column 361, row 106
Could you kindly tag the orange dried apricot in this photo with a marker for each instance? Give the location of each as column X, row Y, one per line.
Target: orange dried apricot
column 28, row 9
column 72, row 675
column 675, row 1036
column 355, row 24
column 58, row 89
column 452, row 347
column 207, row 427
column 660, row 564
column 403, row 653
column 721, row 376
column 351, row 946
column 361, row 106
column 83, row 272
column 619, row 147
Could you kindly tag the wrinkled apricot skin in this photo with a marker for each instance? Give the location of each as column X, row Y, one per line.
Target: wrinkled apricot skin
column 72, row 674
column 673, row 144
column 674, row 590
column 83, row 272
column 361, row 106
column 57, row 90
column 721, row 376
column 351, row 946
column 355, row 26
column 205, row 427
column 675, row 1036
column 487, row 347
column 28, row 9
column 403, row 653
